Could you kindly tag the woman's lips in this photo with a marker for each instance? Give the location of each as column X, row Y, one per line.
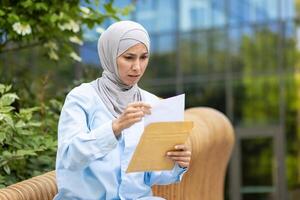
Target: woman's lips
column 134, row 76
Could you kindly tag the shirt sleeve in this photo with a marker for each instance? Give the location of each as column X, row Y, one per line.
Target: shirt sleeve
column 165, row 177
column 77, row 145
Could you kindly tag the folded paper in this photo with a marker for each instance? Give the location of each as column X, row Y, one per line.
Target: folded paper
column 167, row 110
column 158, row 138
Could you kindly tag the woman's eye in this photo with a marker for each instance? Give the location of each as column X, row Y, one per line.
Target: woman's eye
column 144, row 57
column 128, row 58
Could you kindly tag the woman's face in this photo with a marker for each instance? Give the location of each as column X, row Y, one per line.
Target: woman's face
column 132, row 64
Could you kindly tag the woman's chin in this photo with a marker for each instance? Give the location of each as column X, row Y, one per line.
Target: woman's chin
column 131, row 82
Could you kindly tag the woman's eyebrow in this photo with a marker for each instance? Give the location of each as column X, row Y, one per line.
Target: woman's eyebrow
column 130, row 54
column 133, row 54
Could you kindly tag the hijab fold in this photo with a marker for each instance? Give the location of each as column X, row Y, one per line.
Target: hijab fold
column 113, row 42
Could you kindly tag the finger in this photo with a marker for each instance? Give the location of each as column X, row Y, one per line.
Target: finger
column 145, row 107
column 179, row 153
column 181, row 147
column 183, row 164
column 131, row 119
column 131, row 110
column 130, row 122
column 140, row 104
column 133, row 115
column 146, row 110
column 180, row 159
column 134, row 120
column 137, row 109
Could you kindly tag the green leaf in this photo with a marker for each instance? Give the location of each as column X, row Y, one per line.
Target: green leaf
column 109, row 8
column 20, row 124
column 26, row 153
column 2, row 137
column 34, row 124
column 127, row 10
column 50, row 143
column 8, row 88
column 6, row 109
column 2, row 13
column 8, row 99
column 27, row 3
column 6, row 169
column 25, row 132
column 12, row 18
column 116, row 18
column 8, row 119
column 2, row 88
column 26, row 113
column 6, row 154
column 55, row 104
column 53, row 18
column 41, row 6
column 29, row 110
column 18, row 140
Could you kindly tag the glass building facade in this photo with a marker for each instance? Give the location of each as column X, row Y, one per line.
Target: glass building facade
column 240, row 57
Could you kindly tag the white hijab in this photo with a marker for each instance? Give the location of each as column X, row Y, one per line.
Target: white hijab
column 114, row 41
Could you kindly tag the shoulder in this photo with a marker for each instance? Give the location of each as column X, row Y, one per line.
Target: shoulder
column 83, row 94
column 82, row 91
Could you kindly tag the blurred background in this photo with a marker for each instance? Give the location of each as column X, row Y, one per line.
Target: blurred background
column 240, row 57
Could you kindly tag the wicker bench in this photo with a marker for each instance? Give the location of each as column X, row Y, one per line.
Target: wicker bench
column 212, row 140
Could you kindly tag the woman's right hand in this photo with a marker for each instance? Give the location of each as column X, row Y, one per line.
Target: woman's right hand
column 133, row 113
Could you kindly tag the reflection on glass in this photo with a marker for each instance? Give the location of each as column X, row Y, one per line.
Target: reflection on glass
column 257, row 162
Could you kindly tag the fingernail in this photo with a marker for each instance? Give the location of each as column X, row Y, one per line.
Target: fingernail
column 176, row 147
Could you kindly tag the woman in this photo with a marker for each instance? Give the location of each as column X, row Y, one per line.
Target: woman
column 101, row 123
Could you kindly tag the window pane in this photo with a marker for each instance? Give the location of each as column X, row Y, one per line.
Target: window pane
column 257, row 165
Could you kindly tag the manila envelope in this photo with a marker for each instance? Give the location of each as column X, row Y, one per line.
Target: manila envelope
column 157, row 139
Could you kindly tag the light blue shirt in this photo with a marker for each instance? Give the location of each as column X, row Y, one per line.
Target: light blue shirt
column 91, row 162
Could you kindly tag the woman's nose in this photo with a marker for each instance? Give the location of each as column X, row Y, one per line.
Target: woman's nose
column 136, row 66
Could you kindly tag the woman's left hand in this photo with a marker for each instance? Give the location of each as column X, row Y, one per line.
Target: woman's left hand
column 181, row 155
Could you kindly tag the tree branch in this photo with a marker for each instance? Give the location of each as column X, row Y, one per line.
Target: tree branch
column 17, row 48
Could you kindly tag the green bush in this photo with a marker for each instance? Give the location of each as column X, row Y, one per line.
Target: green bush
column 27, row 137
